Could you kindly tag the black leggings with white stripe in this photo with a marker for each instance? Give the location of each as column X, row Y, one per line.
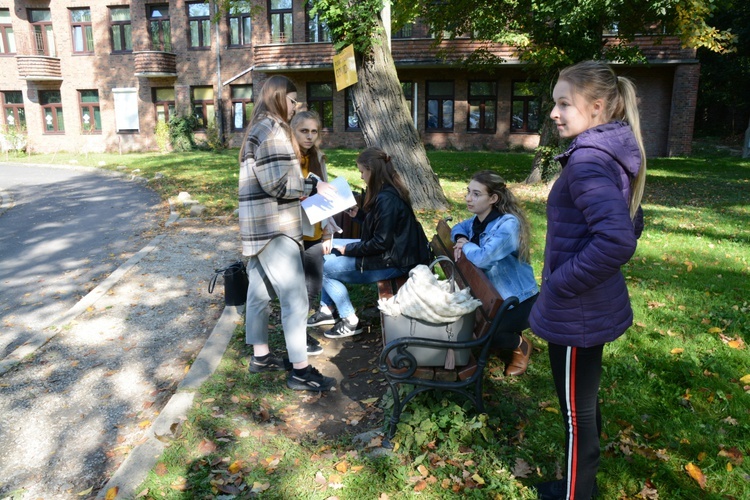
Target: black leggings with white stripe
column 577, row 372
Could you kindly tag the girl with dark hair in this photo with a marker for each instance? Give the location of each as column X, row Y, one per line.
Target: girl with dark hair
column 392, row 242
column 496, row 240
column 270, row 187
column 593, row 224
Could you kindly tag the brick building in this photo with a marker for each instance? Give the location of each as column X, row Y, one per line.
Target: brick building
column 96, row 75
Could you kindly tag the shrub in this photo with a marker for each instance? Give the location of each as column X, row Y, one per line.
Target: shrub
column 181, row 132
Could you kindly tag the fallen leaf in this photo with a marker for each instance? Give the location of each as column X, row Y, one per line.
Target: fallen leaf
column 260, row 487
column 235, row 467
column 320, row 478
column 522, row 469
column 369, row 401
column 477, row 479
column 342, row 466
column 733, row 454
column 649, row 491
column 423, row 471
column 160, row 469
column 677, row 350
column 112, row 493
column 144, row 424
column 85, row 492
column 179, row 484
column 697, row 475
column 421, row 484
column 715, row 329
column 745, row 379
column 206, row 447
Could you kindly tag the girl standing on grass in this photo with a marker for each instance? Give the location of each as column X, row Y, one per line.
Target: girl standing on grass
column 270, row 187
column 317, row 238
column 497, row 240
column 593, row 223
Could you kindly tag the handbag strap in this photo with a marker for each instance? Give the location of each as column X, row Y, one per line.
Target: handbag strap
column 452, row 278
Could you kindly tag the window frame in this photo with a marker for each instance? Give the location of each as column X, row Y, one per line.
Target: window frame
column 320, row 31
column 121, row 25
column 93, row 109
column 242, row 17
column 86, row 28
column 204, row 119
column 169, row 105
column 526, row 100
column 318, row 104
column 442, row 99
column 404, row 32
column 483, row 98
column 7, row 37
column 245, row 102
column 282, row 12
column 203, row 25
column 126, row 110
column 349, row 111
column 17, row 109
column 164, row 44
column 46, row 37
column 57, row 112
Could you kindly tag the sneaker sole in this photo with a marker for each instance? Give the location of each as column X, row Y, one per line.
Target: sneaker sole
column 267, row 369
column 324, row 322
column 300, row 386
column 315, row 352
column 352, row 334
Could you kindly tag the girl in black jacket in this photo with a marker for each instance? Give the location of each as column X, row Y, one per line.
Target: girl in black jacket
column 392, row 242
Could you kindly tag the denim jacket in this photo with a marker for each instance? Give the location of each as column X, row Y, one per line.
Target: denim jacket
column 497, row 256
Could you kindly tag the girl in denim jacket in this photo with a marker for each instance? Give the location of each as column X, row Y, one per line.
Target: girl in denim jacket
column 496, row 240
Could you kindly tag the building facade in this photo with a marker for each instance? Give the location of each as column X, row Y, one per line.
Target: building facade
column 99, row 75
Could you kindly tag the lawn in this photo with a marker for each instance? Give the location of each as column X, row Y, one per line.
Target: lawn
column 675, row 391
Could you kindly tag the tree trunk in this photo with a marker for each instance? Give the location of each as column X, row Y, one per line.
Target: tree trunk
column 386, row 123
column 547, row 137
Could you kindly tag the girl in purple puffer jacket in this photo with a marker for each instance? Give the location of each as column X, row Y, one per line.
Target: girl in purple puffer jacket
column 593, row 223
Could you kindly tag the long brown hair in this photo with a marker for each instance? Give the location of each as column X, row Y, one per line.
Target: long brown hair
column 507, row 203
column 382, row 172
column 313, row 164
column 595, row 80
column 272, row 102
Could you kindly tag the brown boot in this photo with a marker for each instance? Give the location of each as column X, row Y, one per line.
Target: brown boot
column 519, row 362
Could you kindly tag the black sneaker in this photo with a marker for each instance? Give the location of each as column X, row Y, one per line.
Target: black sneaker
column 343, row 329
column 557, row 490
column 320, row 319
column 272, row 364
column 312, row 380
column 313, row 346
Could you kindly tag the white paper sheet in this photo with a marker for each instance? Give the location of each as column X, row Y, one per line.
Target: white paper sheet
column 317, row 207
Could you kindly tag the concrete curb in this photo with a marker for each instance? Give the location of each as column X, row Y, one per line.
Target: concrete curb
column 133, row 471
column 6, row 201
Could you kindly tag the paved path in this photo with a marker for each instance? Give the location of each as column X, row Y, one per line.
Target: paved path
column 62, row 230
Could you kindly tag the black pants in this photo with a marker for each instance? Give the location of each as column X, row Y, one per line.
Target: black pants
column 514, row 322
column 312, row 261
column 577, row 373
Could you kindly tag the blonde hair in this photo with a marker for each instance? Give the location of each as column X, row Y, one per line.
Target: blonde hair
column 595, row 80
column 272, row 102
column 507, row 203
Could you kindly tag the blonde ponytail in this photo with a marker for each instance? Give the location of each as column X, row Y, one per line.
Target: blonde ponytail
column 632, row 117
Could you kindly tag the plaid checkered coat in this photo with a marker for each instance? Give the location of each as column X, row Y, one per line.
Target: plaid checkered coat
column 271, row 185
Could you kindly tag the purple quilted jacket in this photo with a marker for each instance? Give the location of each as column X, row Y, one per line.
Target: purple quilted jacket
column 584, row 300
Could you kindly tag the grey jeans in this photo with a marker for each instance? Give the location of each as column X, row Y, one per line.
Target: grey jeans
column 277, row 272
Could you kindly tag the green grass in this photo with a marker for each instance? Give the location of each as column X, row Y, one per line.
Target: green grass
column 673, row 393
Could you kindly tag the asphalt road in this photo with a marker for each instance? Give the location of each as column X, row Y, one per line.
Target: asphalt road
column 62, row 230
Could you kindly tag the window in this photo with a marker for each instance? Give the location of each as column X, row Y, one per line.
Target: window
column 281, row 21
column 320, row 99
column 91, row 118
column 203, row 106
column 199, row 24
column 524, row 108
column 80, row 27
column 352, row 120
column 14, row 115
column 240, row 22
column 404, row 32
column 126, row 109
column 409, row 88
column 317, row 31
column 164, row 104
column 439, row 106
column 159, row 28
column 52, row 112
column 43, row 39
column 482, row 107
column 120, row 29
column 242, row 105
column 7, row 38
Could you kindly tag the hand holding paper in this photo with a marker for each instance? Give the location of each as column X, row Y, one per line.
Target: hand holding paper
column 319, row 207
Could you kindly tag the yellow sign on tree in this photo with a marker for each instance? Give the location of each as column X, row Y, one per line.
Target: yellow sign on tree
column 345, row 68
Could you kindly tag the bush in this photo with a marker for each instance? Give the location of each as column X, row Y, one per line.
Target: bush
column 548, row 165
column 162, row 136
column 181, row 132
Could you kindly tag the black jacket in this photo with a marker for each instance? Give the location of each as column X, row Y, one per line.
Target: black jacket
column 391, row 235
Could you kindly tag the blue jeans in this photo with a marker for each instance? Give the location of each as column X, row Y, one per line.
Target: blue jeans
column 340, row 269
